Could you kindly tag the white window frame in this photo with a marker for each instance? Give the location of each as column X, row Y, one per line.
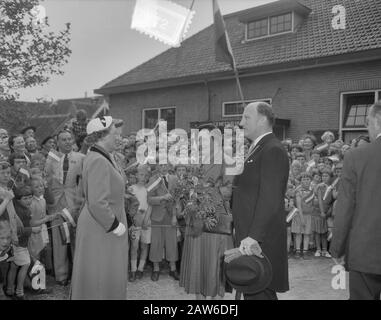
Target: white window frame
column 268, row 27
column 159, row 113
column 342, row 128
column 246, row 101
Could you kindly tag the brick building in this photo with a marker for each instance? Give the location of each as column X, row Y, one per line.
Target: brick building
column 287, row 53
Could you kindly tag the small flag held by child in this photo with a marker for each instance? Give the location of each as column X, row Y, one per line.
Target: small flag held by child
column 44, row 234
column 68, row 216
column 65, row 233
column 24, row 172
column 291, row 215
column 154, row 184
column 52, row 155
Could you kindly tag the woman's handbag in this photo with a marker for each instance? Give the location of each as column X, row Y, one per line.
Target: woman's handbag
column 225, row 221
column 224, row 225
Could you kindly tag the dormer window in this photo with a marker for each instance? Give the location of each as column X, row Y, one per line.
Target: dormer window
column 275, row 18
column 282, row 23
column 270, row 26
column 257, row 29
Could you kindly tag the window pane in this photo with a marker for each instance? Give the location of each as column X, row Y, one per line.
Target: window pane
column 350, row 122
column 169, row 115
column 356, row 108
column 257, row 29
column 352, row 112
column 236, row 108
column 233, row 109
column 230, row 109
column 280, row 23
column 361, row 110
column 150, row 118
column 360, row 121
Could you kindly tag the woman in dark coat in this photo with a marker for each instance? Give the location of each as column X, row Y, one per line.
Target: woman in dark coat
column 101, row 255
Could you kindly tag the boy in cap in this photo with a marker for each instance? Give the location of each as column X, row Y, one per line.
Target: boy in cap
column 79, row 127
column 28, row 132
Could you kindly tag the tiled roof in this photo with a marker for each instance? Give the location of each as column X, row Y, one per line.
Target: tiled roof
column 48, row 118
column 48, row 125
column 90, row 105
column 315, row 38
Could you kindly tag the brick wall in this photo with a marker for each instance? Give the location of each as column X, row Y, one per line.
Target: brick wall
column 309, row 98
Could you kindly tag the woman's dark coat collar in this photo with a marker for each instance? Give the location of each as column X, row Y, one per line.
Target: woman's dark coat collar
column 103, row 152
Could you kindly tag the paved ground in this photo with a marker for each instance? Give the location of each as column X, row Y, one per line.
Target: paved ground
column 310, row 279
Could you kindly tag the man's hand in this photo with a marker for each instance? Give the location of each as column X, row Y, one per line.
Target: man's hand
column 250, row 247
column 174, row 221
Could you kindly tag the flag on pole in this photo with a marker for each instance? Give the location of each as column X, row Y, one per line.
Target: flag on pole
column 223, row 49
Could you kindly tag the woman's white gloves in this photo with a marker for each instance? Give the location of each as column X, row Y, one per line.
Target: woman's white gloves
column 120, row 230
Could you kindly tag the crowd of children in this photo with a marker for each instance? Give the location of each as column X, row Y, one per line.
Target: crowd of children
column 156, row 223
column 314, row 179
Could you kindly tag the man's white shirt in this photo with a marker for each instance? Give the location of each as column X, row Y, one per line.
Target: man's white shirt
column 253, row 145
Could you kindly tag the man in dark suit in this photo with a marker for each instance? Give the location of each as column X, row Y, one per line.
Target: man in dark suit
column 258, row 198
column 357, row 224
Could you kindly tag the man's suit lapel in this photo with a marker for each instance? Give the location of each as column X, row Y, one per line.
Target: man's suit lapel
column 254, row 153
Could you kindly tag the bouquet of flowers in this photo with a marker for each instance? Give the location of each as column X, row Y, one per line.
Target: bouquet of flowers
column 199, row 203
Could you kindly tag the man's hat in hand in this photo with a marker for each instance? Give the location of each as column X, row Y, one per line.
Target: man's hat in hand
column 249, row 274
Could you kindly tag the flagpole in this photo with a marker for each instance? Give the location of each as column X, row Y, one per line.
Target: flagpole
column 236, row 74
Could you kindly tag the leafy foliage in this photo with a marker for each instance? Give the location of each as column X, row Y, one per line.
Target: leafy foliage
column 29, row 53
column 199, row 199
